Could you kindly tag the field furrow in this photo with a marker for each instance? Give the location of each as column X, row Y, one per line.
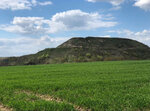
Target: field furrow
column 4, row 108
column 58, row 100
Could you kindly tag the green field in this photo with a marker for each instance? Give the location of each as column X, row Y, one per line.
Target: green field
column 96, row 86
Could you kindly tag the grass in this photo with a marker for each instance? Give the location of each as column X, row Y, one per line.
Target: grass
column 99, row 86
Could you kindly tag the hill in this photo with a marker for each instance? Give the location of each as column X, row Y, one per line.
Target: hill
column 85, row 50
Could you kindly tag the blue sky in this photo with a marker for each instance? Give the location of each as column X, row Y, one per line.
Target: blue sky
column 28, row 26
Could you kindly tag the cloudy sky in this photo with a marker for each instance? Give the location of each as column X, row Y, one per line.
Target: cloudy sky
column 28, row 26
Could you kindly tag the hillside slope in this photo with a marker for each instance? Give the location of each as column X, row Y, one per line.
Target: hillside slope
column 84, row 50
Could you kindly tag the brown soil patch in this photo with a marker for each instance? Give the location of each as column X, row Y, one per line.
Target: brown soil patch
column 51, row 98
column 4, row 108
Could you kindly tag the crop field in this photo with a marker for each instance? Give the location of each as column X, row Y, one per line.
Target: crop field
column 93, row 86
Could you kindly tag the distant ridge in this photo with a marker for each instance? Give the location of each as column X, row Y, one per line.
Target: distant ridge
column 85, row 50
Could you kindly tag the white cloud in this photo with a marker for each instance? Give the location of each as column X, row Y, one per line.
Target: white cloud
column 142, row 36
column 15, row 5
column 106, row 36
column 45, row 3
column 21, row 4
column 25, row 45
column 35, row 2
column 64, row 21
column 113, row 2
column 78, row 20
column 27, row 26
column 143, row 4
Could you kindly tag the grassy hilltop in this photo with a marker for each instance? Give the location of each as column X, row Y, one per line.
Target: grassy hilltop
column 95, row 86
column 85, row 50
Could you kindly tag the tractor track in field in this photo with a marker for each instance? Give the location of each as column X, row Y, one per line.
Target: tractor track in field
column 58, row 100
column 4, row 108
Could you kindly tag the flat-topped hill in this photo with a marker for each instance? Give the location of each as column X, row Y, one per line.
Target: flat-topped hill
column 97, row 42
column 85, row 50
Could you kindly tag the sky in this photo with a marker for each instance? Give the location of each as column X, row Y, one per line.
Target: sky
column 28, row 26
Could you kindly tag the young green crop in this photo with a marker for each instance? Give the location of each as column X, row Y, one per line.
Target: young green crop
column 99, row 86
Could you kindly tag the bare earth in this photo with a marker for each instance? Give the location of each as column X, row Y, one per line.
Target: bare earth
column 51, row 98
column 3, row 108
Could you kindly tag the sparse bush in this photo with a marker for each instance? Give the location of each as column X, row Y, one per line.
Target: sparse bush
column 99, row 58
column 88, row 55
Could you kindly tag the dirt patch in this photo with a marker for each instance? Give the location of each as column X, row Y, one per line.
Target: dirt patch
column 51, row 98
column 4, row 108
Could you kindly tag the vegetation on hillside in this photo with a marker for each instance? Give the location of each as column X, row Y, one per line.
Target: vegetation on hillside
column 85, row 50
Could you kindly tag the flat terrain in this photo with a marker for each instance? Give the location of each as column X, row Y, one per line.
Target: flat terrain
column 96, row 86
